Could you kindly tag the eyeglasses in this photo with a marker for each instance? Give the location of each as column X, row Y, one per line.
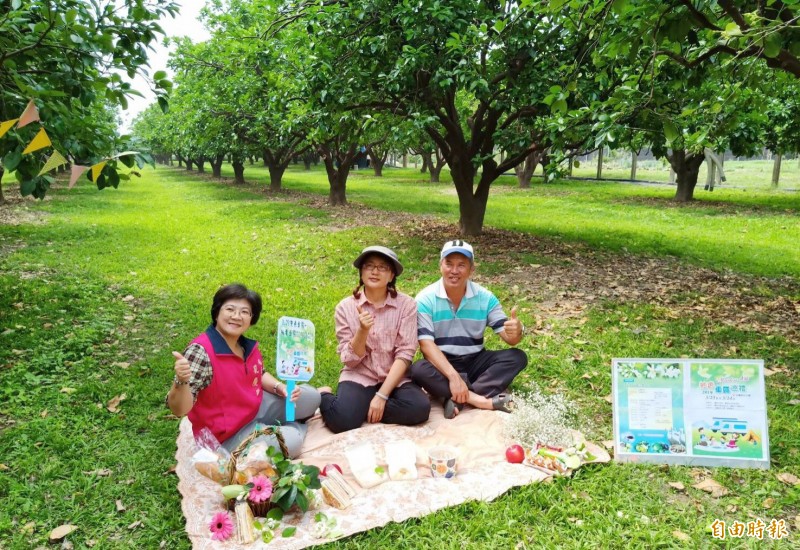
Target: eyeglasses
column 382, row 268
column 244, row 312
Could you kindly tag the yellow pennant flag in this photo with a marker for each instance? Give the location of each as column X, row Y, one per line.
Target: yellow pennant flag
column 30, row 114
column 55, row 160
column 41, row 141
column 77, row 171
column 96, row 169
column 6, row 126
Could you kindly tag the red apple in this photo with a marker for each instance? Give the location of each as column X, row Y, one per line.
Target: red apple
column 515, row 454
column 329, row 467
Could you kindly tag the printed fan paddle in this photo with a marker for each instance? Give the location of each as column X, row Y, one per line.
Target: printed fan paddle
column 295, row 355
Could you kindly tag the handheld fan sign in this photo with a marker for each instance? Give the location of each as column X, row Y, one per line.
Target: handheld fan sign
column 295, row 355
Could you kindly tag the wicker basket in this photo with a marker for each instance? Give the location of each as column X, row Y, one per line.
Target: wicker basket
column 259, row 509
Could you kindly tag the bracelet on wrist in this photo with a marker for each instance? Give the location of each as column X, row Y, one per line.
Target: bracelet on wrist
column 177, row 381
column 379, row 394
column 275, row 388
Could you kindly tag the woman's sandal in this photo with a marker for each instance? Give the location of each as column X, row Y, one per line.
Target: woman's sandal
column 503, row 402
column 450, row 408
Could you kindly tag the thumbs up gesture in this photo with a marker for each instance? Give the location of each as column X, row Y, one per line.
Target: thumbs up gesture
column 365, row 318
column 513, row 326
column 183, row 371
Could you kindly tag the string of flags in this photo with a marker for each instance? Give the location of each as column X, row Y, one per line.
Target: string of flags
column 42, row 140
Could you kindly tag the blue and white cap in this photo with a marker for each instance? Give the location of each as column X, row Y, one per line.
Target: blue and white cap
column 462, row 247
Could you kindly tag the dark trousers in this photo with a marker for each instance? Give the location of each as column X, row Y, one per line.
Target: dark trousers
column 407, row 405
column 487, row 373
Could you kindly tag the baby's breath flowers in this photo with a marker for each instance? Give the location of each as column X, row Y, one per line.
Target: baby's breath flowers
column 540, row 418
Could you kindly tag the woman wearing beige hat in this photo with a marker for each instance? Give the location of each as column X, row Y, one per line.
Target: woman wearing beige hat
column 377, row 332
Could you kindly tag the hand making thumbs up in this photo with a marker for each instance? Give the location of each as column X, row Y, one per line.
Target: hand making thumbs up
column 513, row 326
column 365, row 318
column 183, row 371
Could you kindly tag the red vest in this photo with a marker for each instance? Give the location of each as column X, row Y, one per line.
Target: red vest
column 233, row 397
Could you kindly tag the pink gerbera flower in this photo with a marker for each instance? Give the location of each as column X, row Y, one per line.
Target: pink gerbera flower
column 221, row 526
column 262, row 489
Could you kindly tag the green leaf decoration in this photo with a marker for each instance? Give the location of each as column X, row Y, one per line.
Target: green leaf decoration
column 289, row 532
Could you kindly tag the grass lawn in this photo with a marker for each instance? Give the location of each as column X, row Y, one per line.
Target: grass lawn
column 97, row 288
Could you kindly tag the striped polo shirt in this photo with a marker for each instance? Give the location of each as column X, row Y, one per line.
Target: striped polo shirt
column 458, row 332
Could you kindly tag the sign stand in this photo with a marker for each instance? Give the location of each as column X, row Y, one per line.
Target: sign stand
column 699, row 412
column 295, row 355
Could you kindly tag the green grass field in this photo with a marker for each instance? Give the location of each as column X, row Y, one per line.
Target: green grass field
column 96, row 289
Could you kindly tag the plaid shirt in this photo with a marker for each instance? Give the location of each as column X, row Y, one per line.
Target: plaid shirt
column 202, row 373
column 392, row 337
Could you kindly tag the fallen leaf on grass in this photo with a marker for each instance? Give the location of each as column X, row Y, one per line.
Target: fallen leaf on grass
column 731, row 508
column 43, row 414
column 18, row 352
column 793, row 402
column 677, row 485
column 104, row 472
column 797, row 522
column 768, row 372
column 789, row 479
column 712, row 487
column 121, row 364
column 171, row 470
column 4, row 468
column 91, row 543
column 68, row 391
column 120, row 506
column 768, row 503
column 680, row 535
column 28, row 528
column 113, row 405
column 134, row 525
column 61, row 531
column 609, row 398
column 128, row 298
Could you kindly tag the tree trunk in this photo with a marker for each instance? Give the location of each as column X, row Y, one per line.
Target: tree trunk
column 377, row 167
column 238, row 171
column 634, row 162
column 405, row 160
column 600, row 163
column 472, row 206
column 264, row 158
column 180, row 161
column 337, row 175
column 687, row 169
column 2, row 198
column 426, row 161
column 216, row 166
column 776, row 170
column 189, row 163
column 276, row 175
column 200, row 162
column 526, row 168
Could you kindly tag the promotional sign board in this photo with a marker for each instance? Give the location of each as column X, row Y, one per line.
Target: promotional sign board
column 701, row 412
column 295, row 355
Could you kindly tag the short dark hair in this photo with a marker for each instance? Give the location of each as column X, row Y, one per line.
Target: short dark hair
column 236, row 291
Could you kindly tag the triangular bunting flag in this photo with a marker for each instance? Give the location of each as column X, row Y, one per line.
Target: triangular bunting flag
column 41, row 141
column 55, row 160
column 77, row 171
column 31, row 114
column 6, row 126
column 96, row 169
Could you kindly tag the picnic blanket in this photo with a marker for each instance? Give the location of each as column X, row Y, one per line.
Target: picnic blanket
column 483, row 474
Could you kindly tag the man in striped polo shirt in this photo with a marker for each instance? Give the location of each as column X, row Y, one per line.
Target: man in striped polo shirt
column 452, row 315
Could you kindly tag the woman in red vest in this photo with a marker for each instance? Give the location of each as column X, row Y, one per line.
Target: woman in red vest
column 221, row 384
